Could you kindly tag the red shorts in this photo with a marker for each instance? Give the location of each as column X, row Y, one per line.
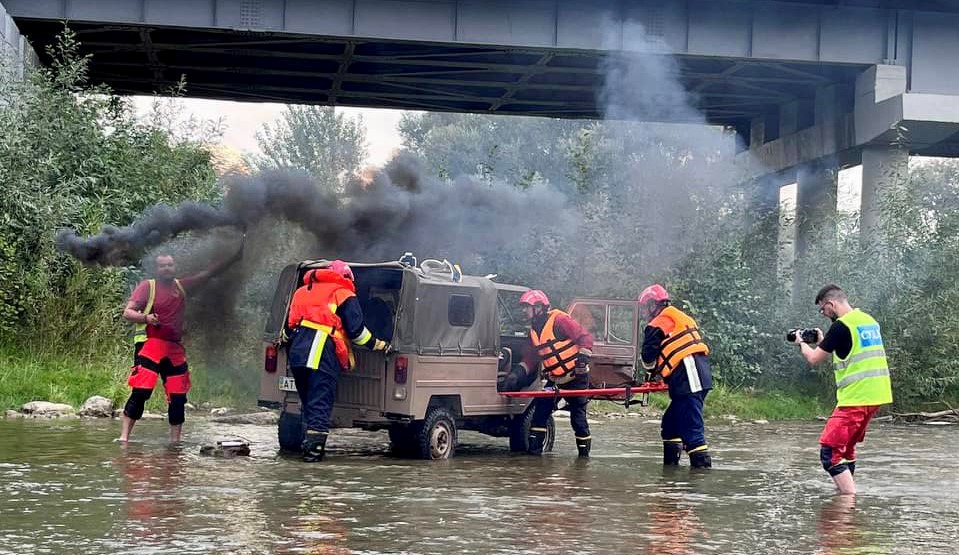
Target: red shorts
column 160, row 358
column 845, row 428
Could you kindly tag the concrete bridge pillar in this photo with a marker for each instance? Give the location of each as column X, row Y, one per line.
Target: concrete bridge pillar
column 884, row 168
column 816, row 192
column 762, row 226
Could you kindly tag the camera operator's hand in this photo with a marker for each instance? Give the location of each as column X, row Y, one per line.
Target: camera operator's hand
column 819, row 336
column 797, row 338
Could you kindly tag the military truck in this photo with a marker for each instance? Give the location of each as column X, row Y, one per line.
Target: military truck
column 453, row 336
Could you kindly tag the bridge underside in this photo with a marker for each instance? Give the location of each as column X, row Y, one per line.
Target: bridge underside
column 281, row 67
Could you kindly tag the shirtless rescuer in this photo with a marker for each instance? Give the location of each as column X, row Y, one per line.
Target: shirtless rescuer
column 157, row 306
column 564, row 348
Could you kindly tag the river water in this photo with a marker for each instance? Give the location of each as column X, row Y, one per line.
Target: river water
column 66, row 487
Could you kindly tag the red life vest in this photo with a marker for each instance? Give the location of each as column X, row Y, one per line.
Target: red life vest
column 683, row 338
column 314, row 306
column 558, row 355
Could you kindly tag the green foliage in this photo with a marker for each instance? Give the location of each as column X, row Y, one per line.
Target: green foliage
column 662, row 203
column 74, row 155
column 329, row 146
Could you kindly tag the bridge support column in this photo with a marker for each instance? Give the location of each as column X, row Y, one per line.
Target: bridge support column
column 816, row 191
column 884, row 168
column 762, row 227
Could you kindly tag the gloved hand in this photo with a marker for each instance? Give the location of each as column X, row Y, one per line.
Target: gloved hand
column 380, row 345
column 583, row 359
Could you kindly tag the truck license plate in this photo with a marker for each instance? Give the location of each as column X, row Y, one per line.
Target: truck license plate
column 287, row 384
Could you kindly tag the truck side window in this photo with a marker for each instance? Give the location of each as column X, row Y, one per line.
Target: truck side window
column 593, row 318
column 461, row 310
column 621, row 324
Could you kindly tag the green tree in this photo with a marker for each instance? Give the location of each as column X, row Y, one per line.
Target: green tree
column 328, row 145
column 75, row 155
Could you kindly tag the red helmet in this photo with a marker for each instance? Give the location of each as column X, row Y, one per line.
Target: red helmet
column 534, row 297
column 342, row 268
column 654, row 292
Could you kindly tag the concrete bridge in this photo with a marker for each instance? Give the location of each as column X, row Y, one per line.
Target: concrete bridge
column 810, row 86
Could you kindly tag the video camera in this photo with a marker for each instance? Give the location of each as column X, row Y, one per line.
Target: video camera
column 808, row 335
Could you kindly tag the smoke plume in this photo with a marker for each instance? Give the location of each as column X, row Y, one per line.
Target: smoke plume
column 401, row 209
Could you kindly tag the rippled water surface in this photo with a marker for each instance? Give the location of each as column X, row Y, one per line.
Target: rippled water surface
column 66, row 487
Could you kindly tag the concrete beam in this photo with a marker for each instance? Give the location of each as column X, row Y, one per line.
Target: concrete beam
column 884, row 169
column 816, row 193
column 883, row 114
column 14, row 48
column 758, row 29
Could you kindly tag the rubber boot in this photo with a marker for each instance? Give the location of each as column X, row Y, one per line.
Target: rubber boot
column 314, row 446
column 583, row 445
column 700, row 459
column 671, row 452
column 536, row 439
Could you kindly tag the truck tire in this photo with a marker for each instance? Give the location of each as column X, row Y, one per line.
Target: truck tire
column 519, row 432
column 290, row 432
column 435, row 437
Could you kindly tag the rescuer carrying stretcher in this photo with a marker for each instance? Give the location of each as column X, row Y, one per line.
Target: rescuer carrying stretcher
column 673, row 346
column 564, row 348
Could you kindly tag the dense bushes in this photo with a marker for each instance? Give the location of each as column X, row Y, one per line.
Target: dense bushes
column 72, row 155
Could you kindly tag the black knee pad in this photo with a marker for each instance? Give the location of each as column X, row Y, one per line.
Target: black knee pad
column 138, row 399
column 176, row 412
column 852, row 467
column 825, row 457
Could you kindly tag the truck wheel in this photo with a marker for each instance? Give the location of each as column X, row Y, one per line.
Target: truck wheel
column 290, row 431
column 402, row 443
column 435, row 436
column 519, row 432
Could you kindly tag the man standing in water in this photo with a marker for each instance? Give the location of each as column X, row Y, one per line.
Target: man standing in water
column 862, row 381
column 157, row 306
column 326, row 321
column 564, row 349
column 673, row 347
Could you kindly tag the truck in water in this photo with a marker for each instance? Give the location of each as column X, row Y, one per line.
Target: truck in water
column 454, row 338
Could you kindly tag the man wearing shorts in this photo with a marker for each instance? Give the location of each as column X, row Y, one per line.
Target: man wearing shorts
column 862, row 381
column 157, row 307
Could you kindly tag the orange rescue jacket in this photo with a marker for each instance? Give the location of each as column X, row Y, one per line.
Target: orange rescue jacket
column 683, row 338
column 314, row 306
column 558, row 355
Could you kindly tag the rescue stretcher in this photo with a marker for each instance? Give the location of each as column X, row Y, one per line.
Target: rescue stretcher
column 619, row 394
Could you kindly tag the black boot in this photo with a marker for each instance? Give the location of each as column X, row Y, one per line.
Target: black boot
column 535, row 441
column 671, row 452
column 314, row 446
column 700, row 459
column 583, row 445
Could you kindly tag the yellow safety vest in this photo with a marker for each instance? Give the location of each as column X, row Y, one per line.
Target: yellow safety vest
column 140, row 332
column 862, row 378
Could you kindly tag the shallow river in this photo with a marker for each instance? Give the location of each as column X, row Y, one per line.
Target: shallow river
column 66, row 487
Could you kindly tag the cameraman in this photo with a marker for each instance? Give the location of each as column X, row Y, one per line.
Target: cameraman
column 862, row 381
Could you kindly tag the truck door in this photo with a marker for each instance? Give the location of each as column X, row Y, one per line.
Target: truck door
column 613, row 325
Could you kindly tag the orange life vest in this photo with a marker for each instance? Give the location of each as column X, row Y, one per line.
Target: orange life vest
column 683, row 338
column 558, row 355
column 314, row 306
